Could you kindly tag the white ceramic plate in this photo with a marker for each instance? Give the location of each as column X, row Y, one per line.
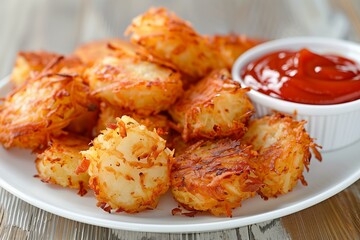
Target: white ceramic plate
column 338, row 170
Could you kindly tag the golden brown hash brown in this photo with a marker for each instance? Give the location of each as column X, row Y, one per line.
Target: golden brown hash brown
column 43, row 106
column 129, row 167
column 216, row 106
column 214, row 176
column 231, row 46
column 57, row 164
column 168, row 37
column 284, row 150
column 134, row 83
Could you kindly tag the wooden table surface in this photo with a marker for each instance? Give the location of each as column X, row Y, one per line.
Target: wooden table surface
column 61, row 25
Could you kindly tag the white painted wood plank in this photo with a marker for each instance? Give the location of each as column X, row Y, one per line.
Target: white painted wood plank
column 268, row 230
column 12, row 26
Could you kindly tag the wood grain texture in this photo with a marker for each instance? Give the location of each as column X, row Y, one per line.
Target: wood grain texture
column 61, row 25
column 336, row 218
column 268, row 230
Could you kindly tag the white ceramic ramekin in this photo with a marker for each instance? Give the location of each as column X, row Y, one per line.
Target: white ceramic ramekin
column 333, row 126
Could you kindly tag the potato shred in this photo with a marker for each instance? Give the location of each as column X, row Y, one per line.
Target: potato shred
column 129, row 120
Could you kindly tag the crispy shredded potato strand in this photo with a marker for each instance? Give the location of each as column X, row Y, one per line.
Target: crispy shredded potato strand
column 214, row 107
column 231, row 46
column 91, row 52
column 29, row 64
column 176, row 142
column 168, row 37
column 41, row 107
column 129, row 167
column 134, row 84
column 84, row 124
column 69, row 65
column 284, row 150
column 108, row 114
column 57, row 164
column 214, row 176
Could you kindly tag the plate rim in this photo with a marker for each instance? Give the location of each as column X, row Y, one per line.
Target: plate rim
column 184, row 228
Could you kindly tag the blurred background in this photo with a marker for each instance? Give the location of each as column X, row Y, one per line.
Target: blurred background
column 60, row 25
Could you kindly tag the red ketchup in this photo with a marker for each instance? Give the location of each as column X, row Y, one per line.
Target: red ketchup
column 304, row 77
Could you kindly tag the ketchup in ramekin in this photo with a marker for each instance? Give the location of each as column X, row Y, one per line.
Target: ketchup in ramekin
column 304, row 77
